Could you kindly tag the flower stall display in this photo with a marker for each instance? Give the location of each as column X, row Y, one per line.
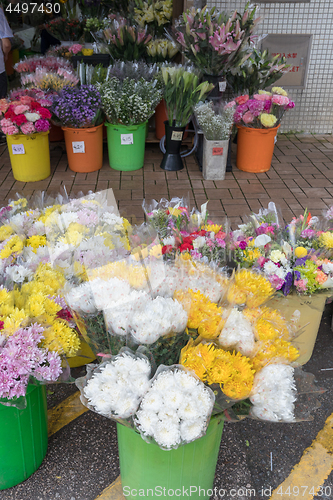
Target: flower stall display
column 156, row 16
column 97, row 9
column 161, row 50
column 50, row 63
column 78, row 111
column 182, row 343
column 176, row 404
column 34, row 338
column 259, row 71
column 66, row 29
column 182, row 92
column 128, row 104
column 26, row 123
column 216, row 124
column 50, row 80
column 125, row 41
column 258, row 119
column 214, row 41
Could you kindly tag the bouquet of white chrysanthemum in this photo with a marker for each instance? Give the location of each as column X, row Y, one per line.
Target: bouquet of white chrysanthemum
column 274, row 393
column 115, row 388
column 176, row 409
column 118, row 307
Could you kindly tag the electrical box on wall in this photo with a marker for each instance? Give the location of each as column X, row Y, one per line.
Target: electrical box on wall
column 296, row 50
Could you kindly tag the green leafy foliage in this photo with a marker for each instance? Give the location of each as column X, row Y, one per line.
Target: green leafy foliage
column 182, row 92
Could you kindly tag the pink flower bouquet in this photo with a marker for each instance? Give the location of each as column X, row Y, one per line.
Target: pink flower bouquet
column 26, row 115
column 263, row 110
column 51, row 63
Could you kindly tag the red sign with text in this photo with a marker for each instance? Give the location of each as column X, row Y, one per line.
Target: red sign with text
column 217, row 151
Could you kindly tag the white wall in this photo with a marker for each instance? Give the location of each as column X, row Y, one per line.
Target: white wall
column 314, row 104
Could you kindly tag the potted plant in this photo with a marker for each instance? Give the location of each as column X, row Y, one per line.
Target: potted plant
column 182, row 92
column 216, row 123
column 257, row 120
column 78, row 111
column 26, row 123
column 128, row 104
column 213, row 41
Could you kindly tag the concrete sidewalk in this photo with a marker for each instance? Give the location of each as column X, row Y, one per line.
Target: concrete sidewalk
column 301, row 177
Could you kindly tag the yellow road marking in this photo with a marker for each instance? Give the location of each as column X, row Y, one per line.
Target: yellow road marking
column 112, row 492
column 67, row 411
column 314, row 467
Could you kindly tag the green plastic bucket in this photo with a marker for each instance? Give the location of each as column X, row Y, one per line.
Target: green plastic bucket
column 187, row 471
column 126, row 146
column 23, row 438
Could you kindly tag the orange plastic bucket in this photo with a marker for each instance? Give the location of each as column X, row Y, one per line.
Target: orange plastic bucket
column 160, row 117
column 84, row 147
column 255, row 148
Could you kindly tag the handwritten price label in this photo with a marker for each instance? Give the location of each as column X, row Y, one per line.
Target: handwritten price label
column 18, row 149
column 222, row 86
column 176, row 136
column 78, row 147
column 217, row 151
column 126, row 139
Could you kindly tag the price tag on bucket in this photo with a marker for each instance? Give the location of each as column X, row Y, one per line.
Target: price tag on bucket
column 78, row 147
column 222, row 86
column 217, row 151
column 126, row 139
column 176, row 136
column 18, row 149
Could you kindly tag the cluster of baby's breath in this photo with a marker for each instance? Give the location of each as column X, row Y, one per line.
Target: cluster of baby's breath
column 129, row 102
column 215, row 124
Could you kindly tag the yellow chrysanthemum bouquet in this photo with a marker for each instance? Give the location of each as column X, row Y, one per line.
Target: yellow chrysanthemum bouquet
column 234, row 340
column 39, row 301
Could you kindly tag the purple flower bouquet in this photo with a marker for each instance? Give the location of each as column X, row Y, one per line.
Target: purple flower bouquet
column 78, row 107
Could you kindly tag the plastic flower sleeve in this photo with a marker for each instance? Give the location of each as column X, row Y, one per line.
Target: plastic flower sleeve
column 229, row 374
column 115, row 388
column 90, row 321
column 249, row 288
column 176, row 409
column 282, row 393
column 167, row 216
column 24, row 359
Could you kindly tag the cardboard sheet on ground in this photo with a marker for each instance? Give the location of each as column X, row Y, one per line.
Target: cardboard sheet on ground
column 311, row 309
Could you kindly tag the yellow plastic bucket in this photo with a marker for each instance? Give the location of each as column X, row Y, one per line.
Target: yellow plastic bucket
column 29, row 156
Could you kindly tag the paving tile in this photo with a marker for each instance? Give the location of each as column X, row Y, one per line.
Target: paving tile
column 301, row 176
column 217, row 193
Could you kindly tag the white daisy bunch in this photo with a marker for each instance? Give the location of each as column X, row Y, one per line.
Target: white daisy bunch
column 238, row 333
column 26, row 223
column 117, row 386
column 274, row 393
column 107, row 292
column 161, row 316
column 118, row 317
column 278, row 266
column 176, row 410
column 18, row 274
column 182, row 278
column 80, row 298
